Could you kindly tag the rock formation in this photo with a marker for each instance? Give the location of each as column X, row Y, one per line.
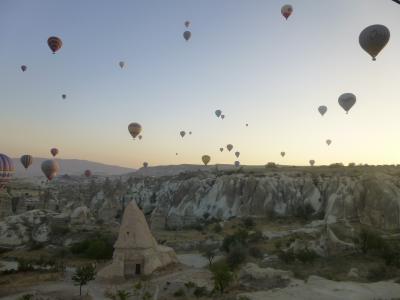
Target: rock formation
column 136, row 252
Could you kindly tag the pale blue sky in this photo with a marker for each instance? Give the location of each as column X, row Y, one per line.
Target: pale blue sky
column 244, row 58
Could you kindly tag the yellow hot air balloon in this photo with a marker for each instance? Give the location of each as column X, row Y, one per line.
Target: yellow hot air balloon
column 206, row 159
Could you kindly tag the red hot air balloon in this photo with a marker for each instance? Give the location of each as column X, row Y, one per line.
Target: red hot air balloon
column 50, row 168
column 6, row 170
column 88, row 173
column 54, row 152
column 26, row 160
column 55, row 43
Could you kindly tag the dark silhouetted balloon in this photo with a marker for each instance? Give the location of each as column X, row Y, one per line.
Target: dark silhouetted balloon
column 55, row 43
column 134, row 129
column 286, row 11
column 50, row 168
column 26, row 160
column 206, row 159
column 88, row 173
column 23, row 68
column 187, row 35
column 373, row 39
column 346, row 101
column 54, row 151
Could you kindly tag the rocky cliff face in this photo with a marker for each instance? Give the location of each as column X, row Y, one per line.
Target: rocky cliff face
column 368, row 197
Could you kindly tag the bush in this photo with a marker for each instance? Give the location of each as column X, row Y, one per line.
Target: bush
column 239, row 237
column 237, row 254
column 255, row 236
column 271, row 165
column 25, row 265
column 248, row 222
column 200, row 291
column 222, row 276
column 217, row 228
column 369, row 240
column 286, row 256
column 190, row 285
column 306, row 256
column 179, row 293
column 256, row 252
column 99, row 248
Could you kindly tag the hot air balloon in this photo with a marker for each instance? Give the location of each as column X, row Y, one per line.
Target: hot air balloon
column 247, row 125
column 145, row 164
column 322, row 109
column 26, row 160
column 206, row 159
column 237, row 154
column 88, row 173
column 182, row 133
column 221, row 149
column 23, row 68
column 218, row 113
column 190, row 132
column 312, row 162
column 121, row 64
column 229, row 147
column 6, row 170
column 187, row 24
column 54, row 151
column 286, row 11
column 237, row 164
column 50, row 168
column 64, row 96
column 176, row 153
column 373, row 39
column 328, row 142
column 346, row 101
column 140, row 137
column 186, row 35
column 54, row 43
column 222, row 117
column 134, row 129
column 283, row 154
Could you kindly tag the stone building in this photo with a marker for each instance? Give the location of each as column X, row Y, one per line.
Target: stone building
column 136, row 252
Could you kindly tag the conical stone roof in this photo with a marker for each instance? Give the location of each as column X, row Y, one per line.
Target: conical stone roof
column 134, row 231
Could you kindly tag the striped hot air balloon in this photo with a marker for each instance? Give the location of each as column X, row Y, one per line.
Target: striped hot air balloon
column 6, row 170
column 55, row 43
column 26, row 160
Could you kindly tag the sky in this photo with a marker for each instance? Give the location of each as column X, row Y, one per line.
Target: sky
column 243, row 58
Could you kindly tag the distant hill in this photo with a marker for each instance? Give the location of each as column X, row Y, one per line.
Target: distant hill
column 70, row 167
column 171, row 170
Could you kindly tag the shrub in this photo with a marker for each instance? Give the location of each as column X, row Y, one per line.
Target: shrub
column 239, row 237
column 255, row 252
column 306, row 256
column 98, row 248
column 179, row 293
column 248, row 222
column 369, row 240
column 255, row 236
column 286, row 256
column 237, row 254
column 217, row 228
column 24, row 265
column 200, row 291
column 222, row 276
column 190, row 285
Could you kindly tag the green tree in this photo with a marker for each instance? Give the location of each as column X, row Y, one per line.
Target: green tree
column 222, row 276
column 83, row 275
column 209, row 251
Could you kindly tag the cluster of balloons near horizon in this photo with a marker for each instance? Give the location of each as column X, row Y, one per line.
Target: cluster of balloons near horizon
column 219, row 114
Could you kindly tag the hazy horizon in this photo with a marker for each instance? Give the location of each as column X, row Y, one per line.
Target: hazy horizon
column 243, row 58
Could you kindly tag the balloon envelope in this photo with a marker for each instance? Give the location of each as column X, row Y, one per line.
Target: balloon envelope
column 54, row 151
column 134, row 129
column 346, row 101
column 54, row 43
column 187, row 24
column 229, row 147
column 373, row 39
column 182, row 133
column 88, row 173
column 283, row 153
column 187, row 35
column 145, row 164
column 328, row 142
column 26, row 160
column 23, row 68
column 222, row 117
column 237, row 163
column 221, row 149
column 121, row 64
column 237, row 154
column 312, row 162
column 6, row 170
column 206, row 159
column 322, row 109
column 286, row 11
column 218, row 113
column 50, row 168
column 64, row 96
